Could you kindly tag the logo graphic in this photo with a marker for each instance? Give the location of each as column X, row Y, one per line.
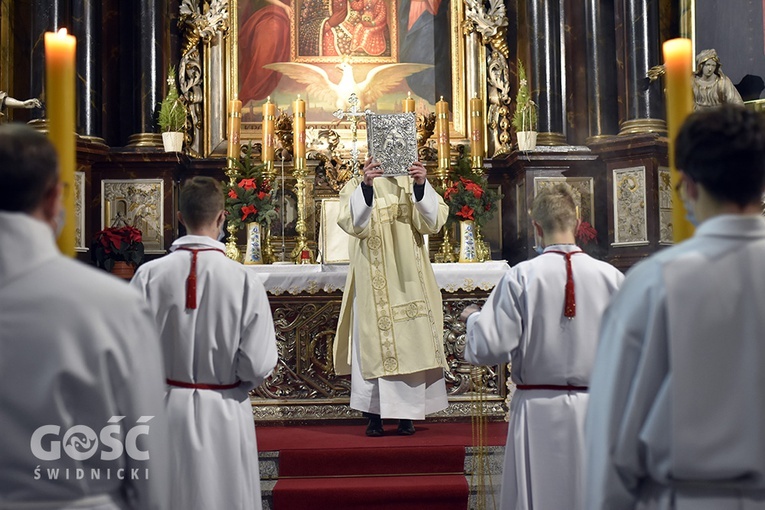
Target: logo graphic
column 81, row 442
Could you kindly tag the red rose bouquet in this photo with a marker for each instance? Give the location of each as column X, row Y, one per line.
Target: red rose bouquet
column 117, row 243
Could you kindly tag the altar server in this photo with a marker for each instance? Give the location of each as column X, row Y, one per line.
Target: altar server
column 81, row 415
column 543, row 317
column 218, row 340
column 677, row 412
column 390, row 331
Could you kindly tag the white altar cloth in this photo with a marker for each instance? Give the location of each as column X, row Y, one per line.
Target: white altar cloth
column 313, row 278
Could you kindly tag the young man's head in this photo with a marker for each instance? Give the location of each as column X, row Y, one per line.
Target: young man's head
column 29, row 173
column 201, row 207
column 721, row 154
column 553, row 214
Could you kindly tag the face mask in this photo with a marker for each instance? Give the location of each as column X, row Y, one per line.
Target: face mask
column 538, row 244
column 689, row 214
column 60, row 221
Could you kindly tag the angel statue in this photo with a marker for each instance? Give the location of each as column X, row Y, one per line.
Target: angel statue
column 710, row 86
column 7, row 101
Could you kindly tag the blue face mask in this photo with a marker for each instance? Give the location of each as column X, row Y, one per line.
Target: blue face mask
column 539, row 249
column 689, row 214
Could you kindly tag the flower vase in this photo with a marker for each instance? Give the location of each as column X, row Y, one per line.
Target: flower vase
column 468, row 251
column 122, row 269
column 253, row 253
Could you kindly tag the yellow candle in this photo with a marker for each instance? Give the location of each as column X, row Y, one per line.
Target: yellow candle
column 60, row 109
column 234, row 129
column 408, row 103
column 678, row 61
column 442, row 134
column 298, row 133
column 476, row 131
column 269, row 118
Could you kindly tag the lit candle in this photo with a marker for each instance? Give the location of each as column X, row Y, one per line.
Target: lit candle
column 60, row 109
column 442, row 134
column 476, row 131
column 408, row 103
column 269, row 118
column 298, row 133
column 234, row 129
column 678, row 61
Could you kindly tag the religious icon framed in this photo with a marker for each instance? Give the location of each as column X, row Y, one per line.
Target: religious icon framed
column 138, row 203
column 735, row 29
column 324, row 50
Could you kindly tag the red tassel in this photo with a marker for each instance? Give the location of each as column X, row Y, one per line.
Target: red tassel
column 569, row 308
column 569, row 305
column 191, row 281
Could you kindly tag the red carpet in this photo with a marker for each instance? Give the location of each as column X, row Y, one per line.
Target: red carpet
column 336, row 467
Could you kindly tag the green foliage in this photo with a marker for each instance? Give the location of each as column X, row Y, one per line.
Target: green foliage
column 469, row 196
column 250, row 197
column 525, row 116
column 172, row 112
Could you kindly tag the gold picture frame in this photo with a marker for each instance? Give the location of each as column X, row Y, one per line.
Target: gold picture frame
column 224, row 58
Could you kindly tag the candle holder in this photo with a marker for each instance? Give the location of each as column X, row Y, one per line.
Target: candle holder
column 446, row 252
column 301, row 243
column 232, row 250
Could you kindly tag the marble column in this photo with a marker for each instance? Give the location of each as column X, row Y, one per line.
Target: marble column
column 545, row 69
column 644, row 102
column 47, row 16
column 602, row 95
column 151, row 60
column 87, row 26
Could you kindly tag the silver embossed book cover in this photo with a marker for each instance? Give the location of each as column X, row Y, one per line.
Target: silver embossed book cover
column 392, row 140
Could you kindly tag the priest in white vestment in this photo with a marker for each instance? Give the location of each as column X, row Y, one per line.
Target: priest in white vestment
column 390, row 330
column 218, row 338
column 543, row 317
column 677, row 412
column 81, row 418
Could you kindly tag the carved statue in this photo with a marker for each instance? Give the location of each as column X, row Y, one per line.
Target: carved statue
column 7, row 101
column 710, row 86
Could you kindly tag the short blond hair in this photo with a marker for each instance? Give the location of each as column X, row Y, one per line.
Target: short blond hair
column 555, row 209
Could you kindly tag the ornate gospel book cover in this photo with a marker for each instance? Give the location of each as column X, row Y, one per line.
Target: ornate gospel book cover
column 392, row 140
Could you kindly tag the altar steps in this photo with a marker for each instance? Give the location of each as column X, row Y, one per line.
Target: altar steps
column 336, row 467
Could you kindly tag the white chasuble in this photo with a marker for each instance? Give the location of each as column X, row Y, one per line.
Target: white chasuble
column 391, row 296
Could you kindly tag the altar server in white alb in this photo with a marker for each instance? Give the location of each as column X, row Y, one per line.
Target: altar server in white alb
column 543, row 317
column 390, row 330
column 217, row 334
column 677, row 412
column 81, row 417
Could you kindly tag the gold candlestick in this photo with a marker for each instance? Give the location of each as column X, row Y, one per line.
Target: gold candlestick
column 232, row 251
column 301, row 243
column 446, row 252
column 476, row 134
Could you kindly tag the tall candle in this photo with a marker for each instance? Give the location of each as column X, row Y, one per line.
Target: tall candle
column 60, row 109
column 234, row 129
column 298, row 133
column 678, row 61
column 476, row 131
column 269, row 118
column 408, row 103
column 442, row 134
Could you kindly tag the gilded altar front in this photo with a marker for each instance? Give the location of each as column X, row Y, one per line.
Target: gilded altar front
column 305, row 302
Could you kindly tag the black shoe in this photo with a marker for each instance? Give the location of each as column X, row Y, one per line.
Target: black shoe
column 375, row 426
column 405, row 428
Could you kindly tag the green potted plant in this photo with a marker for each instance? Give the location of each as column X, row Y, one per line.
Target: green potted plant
column 525, row 116
column 118, row 250
column 172, row 116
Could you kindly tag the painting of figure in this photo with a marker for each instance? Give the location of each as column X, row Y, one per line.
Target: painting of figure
column 324, row 50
